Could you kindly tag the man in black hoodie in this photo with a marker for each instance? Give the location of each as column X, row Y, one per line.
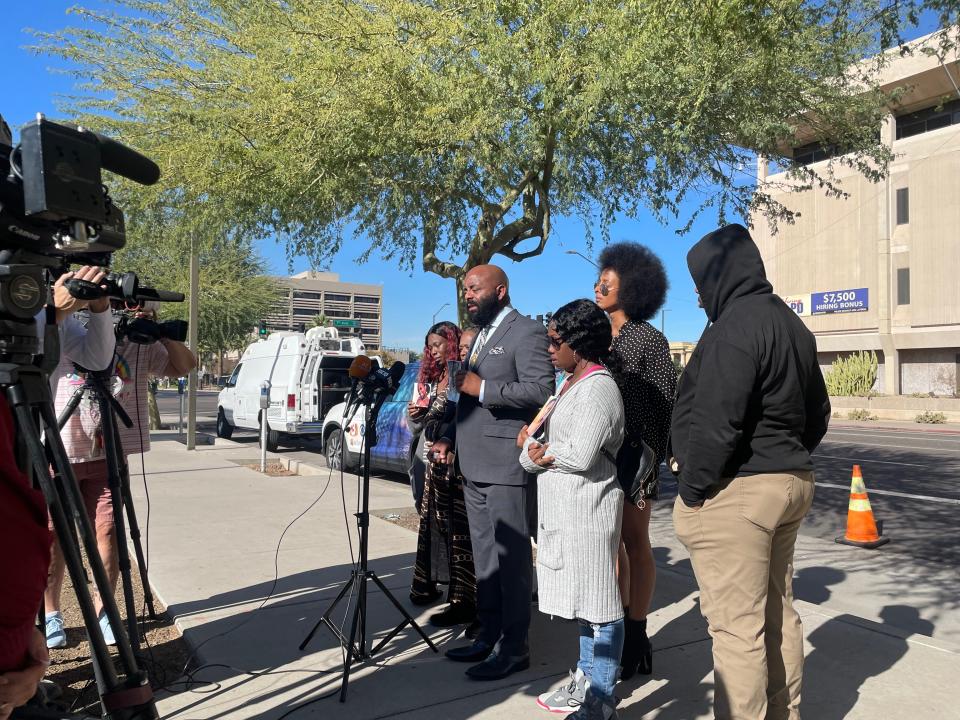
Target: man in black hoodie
column 751, row 407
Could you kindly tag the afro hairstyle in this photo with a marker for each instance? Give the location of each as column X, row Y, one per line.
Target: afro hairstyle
column 643, row 279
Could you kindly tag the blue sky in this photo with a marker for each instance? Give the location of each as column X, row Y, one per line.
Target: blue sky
column 538, row 285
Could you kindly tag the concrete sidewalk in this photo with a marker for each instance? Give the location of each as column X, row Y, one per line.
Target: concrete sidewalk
column 880, row 644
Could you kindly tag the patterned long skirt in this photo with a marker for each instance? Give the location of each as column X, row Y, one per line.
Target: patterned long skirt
column 444, row 553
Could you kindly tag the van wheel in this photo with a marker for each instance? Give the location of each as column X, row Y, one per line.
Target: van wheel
column 224, row 429
column 273, row 437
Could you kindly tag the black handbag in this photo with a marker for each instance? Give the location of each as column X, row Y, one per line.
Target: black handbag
column 636, row 466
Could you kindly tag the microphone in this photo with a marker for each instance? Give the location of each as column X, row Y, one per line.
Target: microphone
column 159, row 295
column 360, row 367
column 396, row 375
column 117, row 157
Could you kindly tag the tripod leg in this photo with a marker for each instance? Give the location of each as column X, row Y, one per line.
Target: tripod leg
column 137, row 546
column 326, row 616
column 354, row 626
column 111, row 448
column 408, row 619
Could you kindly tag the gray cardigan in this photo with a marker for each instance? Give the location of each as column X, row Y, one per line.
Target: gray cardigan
column 579, row 502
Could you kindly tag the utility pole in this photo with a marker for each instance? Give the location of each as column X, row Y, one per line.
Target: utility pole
column 663, row 313
column 193, row 338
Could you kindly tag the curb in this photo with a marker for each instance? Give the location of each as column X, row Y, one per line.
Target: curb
column 920, row 427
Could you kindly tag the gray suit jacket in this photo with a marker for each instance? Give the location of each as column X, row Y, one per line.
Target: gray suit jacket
column 518, row 378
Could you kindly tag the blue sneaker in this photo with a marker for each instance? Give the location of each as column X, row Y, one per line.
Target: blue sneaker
column 107, row 631
column 56, row 636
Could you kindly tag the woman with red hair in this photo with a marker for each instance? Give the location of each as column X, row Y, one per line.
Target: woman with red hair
column 444, row 553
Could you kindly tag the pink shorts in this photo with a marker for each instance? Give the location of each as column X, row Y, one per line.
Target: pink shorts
column 95, row 489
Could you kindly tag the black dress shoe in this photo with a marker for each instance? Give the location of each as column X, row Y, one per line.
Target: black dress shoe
column 457, row 614
column 473, row 629
column 476, row 652
column 497, row 667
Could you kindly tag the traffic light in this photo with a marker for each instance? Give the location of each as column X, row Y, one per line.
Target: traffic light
column 263, row 329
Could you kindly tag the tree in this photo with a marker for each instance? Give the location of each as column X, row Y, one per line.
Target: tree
column 234, row 293
column 319, row 321
column 450, row 133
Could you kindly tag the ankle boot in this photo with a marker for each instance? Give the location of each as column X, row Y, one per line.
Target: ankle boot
column 637, row 650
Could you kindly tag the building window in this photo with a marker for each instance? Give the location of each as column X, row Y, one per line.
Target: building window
column 813, row 152
column 336, row 297
column 366, row 299
column 903, row 286
column 929, row 119
column 903, row 206
column 335, row 313
column 305, row 312
column 367, row 315
column 300, row 295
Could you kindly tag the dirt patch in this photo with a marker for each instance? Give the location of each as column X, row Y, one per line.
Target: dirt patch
column 274, row 469
column 404, row 517
column 163, row 651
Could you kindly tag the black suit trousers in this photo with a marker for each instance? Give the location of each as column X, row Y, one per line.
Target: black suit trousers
column 499, row 518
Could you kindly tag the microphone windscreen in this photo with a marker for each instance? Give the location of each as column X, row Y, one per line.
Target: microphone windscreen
column 360, row 367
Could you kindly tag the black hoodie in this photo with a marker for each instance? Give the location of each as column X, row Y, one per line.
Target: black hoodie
column 752, row 398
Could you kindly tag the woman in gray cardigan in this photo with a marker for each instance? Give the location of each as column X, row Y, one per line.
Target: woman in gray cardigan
column 580, row 502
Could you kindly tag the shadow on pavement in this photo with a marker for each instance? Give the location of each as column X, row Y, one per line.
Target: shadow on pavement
column 838, row 660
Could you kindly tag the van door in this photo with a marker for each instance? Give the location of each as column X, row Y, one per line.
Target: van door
column 309, row 392
column 228, row 396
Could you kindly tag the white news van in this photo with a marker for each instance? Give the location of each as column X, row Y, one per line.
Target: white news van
column 308, row 375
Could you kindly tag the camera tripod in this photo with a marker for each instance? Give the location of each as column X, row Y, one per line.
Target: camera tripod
column 118, row 477
column 26, row 387
column 356, row 644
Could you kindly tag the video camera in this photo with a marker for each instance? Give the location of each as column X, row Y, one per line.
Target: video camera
column 54, row 206
column 143, row 331
column 53, row 201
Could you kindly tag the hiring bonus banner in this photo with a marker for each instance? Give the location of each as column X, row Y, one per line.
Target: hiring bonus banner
column 839, row 301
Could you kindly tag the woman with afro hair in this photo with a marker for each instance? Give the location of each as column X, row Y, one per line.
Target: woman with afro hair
column 631, row 288
column 444, row 553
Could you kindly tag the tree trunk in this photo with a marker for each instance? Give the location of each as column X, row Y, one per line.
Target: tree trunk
column 153, row 410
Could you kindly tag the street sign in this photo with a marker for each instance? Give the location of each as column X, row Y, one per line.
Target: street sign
column 342, row 323
column 839, row 301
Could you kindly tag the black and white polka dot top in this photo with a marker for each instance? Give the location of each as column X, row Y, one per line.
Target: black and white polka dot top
column 647, row 379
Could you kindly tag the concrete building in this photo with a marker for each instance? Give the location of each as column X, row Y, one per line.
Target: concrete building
column 880, row 270
column 355, row 309
column 680, row 352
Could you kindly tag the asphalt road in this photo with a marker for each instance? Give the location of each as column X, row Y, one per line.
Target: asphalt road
column 169, row 403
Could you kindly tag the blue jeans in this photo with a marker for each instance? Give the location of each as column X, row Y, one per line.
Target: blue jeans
column 600, row 649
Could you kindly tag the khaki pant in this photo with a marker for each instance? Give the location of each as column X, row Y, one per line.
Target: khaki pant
column 741, row 546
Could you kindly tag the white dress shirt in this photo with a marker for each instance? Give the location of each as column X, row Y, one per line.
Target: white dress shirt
column 482, row 339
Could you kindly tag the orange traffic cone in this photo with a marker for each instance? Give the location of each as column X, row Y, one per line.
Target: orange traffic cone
column 861, row 527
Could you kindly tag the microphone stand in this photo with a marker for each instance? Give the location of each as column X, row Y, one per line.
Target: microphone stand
column 356, row 643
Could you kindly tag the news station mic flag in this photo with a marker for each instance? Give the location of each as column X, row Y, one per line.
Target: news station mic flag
column 366, row 382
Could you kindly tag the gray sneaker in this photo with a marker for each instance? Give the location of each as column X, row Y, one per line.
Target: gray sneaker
column 594, row 709
column 567, row 698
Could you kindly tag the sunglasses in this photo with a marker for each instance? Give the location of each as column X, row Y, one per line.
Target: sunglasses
column 602, row 287
column 555, row 342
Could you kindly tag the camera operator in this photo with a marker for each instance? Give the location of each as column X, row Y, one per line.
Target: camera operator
column 90, row 346
column 83, row 442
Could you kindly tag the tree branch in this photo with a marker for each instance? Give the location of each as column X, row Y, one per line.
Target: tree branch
column 431, row 263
